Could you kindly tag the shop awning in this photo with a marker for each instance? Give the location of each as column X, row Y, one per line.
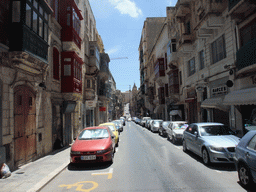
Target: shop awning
column 159, row 109
column 216, row 103
column 176, row 112
column 241, row 97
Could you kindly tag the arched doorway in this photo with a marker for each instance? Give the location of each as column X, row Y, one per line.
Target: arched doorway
column 24, row 125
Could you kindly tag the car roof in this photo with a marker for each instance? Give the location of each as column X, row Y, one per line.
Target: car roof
column 179, row 122
column 246, row 138
column 207, row 123
column 96, row 127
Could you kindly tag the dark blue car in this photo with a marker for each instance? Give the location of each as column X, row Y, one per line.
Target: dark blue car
column 245, row 159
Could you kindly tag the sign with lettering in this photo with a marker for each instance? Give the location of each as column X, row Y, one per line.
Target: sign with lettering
column 221, row 90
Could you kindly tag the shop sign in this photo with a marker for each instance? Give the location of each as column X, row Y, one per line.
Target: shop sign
column 221, row 90
column 102, row 108
column 91, row 103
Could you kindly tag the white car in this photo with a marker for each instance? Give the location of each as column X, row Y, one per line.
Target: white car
column 175, row 130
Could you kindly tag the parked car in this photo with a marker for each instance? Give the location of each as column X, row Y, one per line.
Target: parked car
column 175, row 131
column 214, row 142
column 150, row 124
column 147, row 123
column 143, row 121
column 93, row 144
column 156, row 124
column 123, row 120
column 113, row 128
column 245, row 159
column 119, row 125
column 137, row 120
column 163, row 128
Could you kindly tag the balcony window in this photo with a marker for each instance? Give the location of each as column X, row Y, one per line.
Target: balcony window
column 218, row 49
column 191, row 67
column 15, row 11
column 67, row 70
column 201, row 59
column 37, row 19
column 28, row 15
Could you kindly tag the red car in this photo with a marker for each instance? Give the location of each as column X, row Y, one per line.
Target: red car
column 93, row 144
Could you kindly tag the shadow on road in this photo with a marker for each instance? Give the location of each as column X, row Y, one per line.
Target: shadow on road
column 88, row 166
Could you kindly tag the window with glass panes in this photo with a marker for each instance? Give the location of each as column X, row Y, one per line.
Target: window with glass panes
column 76, row 22
column 218, row 49
column 191, row 66
column 201, row 59
column 77, row 70
column 37, row 18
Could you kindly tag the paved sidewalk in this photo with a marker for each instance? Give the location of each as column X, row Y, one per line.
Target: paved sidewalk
column 33, row 176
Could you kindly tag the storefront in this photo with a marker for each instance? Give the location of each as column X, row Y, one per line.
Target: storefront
column 244, row 102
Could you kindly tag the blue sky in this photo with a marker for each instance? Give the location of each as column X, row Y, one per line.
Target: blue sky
column 120, row 23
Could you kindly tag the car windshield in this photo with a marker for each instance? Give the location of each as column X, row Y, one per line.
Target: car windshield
column 180, row 126
column 112, row 128
column 213, row 130
column 157, row 122
column 88, row 134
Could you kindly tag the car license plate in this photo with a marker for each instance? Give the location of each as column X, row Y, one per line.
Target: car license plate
column 89, row 157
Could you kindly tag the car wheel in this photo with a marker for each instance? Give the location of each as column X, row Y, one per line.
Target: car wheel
column 206, row 158
column 184, row 146
column 244, row 175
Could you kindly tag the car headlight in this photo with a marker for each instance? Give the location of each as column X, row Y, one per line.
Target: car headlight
column 219, row 149
column 75, row 152
column 104, row 151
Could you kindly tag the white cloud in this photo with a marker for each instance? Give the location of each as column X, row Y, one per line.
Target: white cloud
column 127, row 7
column 112, row 50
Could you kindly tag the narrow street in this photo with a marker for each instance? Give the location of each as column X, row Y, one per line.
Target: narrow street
column 145, row 161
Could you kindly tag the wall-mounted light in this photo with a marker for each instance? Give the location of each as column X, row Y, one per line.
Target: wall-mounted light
column 42, row 84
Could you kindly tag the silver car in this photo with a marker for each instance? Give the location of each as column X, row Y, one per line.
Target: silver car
column 214, row 142
column 245, row 159
column 156, row 124
column 175, row 130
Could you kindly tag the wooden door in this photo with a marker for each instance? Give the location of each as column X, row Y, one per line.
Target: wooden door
column 25, row 125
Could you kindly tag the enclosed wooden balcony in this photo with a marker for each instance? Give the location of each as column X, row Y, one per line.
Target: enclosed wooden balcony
column 241, row 9
column 246, row 60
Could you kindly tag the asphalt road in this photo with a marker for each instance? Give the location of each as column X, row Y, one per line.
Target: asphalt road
column 145, row 161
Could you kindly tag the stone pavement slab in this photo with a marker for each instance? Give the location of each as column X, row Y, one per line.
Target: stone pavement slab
column 34, row 175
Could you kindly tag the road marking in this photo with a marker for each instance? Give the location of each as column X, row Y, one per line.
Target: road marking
column 110, row 173
column 80, row 184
